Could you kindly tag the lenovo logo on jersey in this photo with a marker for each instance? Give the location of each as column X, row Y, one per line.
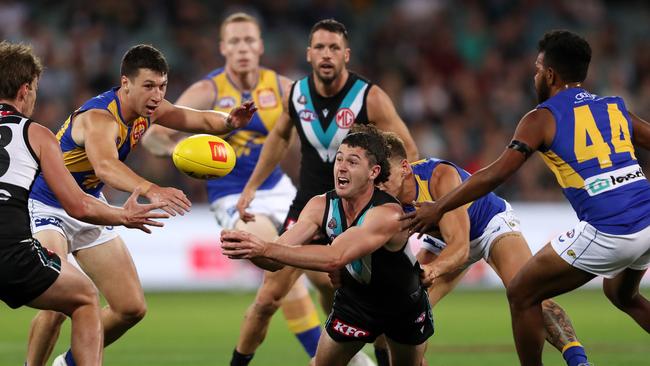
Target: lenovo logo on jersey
column 219, row 151
column 348, row 330
column 611, row 180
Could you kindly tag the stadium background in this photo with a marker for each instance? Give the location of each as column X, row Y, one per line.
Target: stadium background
column 460, row 74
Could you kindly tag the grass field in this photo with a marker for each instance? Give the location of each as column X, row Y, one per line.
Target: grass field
column 472, row 328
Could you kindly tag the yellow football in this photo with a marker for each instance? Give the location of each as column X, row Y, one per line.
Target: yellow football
column 204, row 156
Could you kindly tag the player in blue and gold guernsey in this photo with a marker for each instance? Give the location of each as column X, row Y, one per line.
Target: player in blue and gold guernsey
column 241, row 79
column 486, row 228
column 587, row 141
column 95, row 140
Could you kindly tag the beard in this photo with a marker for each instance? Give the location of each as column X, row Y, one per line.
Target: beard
column 543, row 92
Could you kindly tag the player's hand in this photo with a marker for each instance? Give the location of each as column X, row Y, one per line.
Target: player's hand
column 428, row 275
column 241, row 115
column 245, row 199
column 424, row 219
column 237, row 244
column 137, row 216
column 175, row 199
column 335, row 278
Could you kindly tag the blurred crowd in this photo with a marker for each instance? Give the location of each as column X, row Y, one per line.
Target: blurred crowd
column 459, row 72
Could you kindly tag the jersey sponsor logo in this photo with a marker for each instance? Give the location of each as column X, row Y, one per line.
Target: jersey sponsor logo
column 348, row 330
column 226, row 102
column 605, row 182
column 584, row 96
column 344, row 118
column 219, row 151
column 138, row 129
column 266, row 98
column 306, row 115
column 4, row 195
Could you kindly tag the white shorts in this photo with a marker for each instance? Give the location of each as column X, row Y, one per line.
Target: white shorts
column 479, row 248
column 603, row 254
column 79, row 234
column 273, row 203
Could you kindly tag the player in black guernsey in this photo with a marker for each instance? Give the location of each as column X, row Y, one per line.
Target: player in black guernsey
column 367, row 246
column 29, row 274
column 322, row 108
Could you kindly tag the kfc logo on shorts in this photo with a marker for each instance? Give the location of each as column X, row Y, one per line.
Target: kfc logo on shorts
column 138, row 129
column 348, row 330
column 306, row 115
column 421, row 318
column 344, row 118
column 266, row 99
column 226, row 102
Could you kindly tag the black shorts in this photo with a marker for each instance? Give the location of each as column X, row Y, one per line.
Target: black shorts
column 410, row 324
column 26, row 271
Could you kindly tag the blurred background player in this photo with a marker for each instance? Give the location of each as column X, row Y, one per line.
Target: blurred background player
column 366, row 243
column 321, row 108
column 31, row 275
column 486, row 229
column 95, row 140
column 587, row 141
column 243, row 79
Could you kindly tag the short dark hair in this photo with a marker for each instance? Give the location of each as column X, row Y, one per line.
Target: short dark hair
column 18, row 66
column 143, row 56
column 395, row 145
column 330, row 25
column 376, row 149
column 567, row 53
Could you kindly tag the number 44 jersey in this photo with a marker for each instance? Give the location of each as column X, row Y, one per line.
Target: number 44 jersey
column 593, row 159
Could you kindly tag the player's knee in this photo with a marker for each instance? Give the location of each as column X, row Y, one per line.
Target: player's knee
column 620, row 300
column 517, row 296
column 132, row 313
column 265, row 307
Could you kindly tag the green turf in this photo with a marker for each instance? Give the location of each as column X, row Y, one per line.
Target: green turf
column 472, row 328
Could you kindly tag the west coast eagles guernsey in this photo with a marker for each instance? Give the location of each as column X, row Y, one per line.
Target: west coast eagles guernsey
column 247, row 141
column 593, row 159
column 74, row 156
column 480, row 211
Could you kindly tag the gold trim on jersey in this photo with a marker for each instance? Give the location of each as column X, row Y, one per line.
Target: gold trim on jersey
column 564, row 173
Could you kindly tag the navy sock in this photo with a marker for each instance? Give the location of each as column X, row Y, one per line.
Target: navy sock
column 381, row 354
column 68, row 358
column 239, row 359
column 309, row 340
column 575, row 355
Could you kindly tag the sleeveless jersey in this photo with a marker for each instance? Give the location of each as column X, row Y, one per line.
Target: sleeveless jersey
column 74, row 155
column 480, row 211
column 322, row 124
column 247, row 141
column 593, row 159
column 19, row 166
column 380, row 273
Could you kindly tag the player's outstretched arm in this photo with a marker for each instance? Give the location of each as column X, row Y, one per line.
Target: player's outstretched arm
column 535, row 129
column 207, row 121
column 99, row 130
column 79, row 204
column 382, row 113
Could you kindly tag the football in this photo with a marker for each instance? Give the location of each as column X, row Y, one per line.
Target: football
column 204, row 157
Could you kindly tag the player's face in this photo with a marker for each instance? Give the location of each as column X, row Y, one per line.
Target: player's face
column 241, row 45
column 328, row 54
column 352, row 171
column 146, row 91
column 541, row 84
column 30, row 98
column 395, row 181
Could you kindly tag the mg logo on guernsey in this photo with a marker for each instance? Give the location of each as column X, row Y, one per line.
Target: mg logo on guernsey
column 344, row 117
column 348, row 330
column 611, row 180
column 219, row 151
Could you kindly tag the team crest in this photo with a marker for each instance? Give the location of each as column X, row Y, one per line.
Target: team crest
column 344, row 118
column 302, row 99
column 138, row 129
column 226, row 102
column 571, row 253
column 332, row 223
column 306, row 115
column 266, row 98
